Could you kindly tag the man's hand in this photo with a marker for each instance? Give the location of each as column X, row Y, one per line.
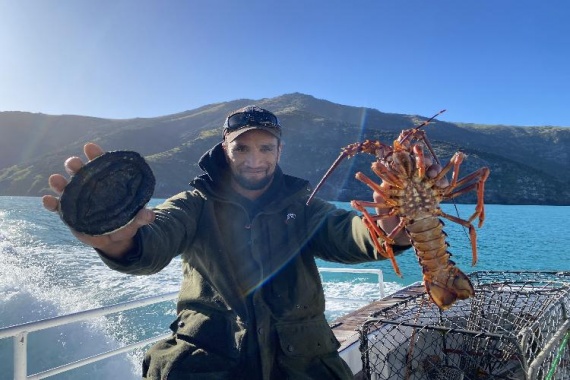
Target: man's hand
column 114, row 244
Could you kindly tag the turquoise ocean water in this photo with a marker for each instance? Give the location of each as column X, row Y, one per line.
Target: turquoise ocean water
column 45, row 272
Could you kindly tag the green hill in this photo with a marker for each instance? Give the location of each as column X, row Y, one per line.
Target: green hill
column 529, row 165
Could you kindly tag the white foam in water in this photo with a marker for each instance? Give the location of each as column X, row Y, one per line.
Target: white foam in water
column 355, row 294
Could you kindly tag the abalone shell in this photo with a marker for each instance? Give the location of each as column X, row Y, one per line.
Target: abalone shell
column 107, row 192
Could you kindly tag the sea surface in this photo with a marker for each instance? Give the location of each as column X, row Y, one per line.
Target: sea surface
column 45, row 272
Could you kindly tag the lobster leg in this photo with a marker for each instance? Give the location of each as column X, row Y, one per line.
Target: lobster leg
column 479, row 212
column 386, row 175
column 376, row 188
column 420, row 161
column 371, row 222
column 446, row 169
column 377, row 233
column 472, row 233
column 381, row 205
column 460, row 188
column 480, row 194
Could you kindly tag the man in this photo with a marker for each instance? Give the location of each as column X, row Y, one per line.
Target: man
column 251, row 304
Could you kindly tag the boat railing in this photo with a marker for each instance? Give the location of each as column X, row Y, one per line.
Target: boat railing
column 19, row 333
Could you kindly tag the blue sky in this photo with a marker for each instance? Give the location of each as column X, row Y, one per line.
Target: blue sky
column 485, row 61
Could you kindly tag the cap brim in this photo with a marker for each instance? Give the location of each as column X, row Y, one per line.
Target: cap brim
column 231, row 136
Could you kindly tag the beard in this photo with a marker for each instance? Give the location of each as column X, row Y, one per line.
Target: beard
column 252, row 184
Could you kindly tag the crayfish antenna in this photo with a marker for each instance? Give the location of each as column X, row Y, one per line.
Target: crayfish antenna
column 341, row 157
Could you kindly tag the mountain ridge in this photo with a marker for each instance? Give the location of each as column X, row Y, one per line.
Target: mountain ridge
column 529, row 165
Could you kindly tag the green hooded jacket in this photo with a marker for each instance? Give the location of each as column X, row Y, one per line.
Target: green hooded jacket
column 251, row 303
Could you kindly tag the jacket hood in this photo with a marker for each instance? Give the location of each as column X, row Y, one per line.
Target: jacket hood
column 214, row 164
column 215, row 168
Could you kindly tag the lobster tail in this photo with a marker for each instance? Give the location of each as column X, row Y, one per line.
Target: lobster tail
column 448, row 286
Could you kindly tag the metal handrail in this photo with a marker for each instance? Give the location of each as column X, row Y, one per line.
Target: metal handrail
column 20, row 332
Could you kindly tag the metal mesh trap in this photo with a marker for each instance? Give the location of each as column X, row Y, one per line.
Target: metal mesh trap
column 517, row 326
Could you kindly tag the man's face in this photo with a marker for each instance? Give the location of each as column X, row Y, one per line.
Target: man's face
column 253, row 157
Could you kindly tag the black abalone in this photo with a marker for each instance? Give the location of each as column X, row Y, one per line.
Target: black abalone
column 107, row 192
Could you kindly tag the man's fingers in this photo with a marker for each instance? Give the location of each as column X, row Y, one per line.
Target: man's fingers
column 94, row 241
column 92, row 151
column 433, row 170
column 57, row 183
column 50, row 202
column 72, row 165
column 143, row 217
column 428, row 161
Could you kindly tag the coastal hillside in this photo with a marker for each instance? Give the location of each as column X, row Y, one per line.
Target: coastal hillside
column 529, row 165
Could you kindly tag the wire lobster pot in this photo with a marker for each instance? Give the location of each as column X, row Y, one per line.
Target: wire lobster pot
column 517, row 326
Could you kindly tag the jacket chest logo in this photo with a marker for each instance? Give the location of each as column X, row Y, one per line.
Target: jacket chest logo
column 290, row 217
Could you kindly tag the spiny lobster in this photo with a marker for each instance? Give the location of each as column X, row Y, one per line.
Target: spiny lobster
column 414, row 197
